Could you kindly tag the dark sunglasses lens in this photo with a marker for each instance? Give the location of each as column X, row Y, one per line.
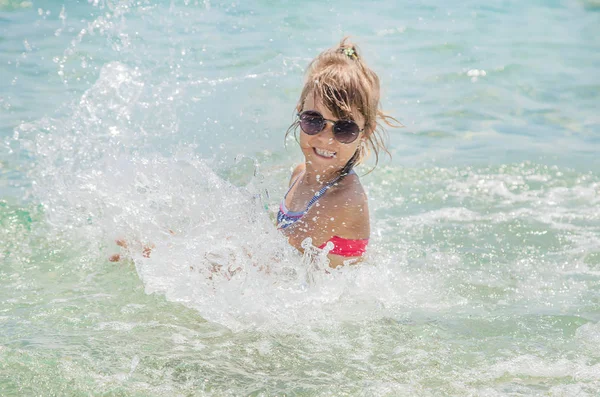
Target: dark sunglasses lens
column 346, row 131
column 311, row 122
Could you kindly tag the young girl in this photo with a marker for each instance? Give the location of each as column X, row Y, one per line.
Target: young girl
column 337, row 115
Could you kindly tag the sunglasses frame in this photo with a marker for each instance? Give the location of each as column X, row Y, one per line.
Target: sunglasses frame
column 325, row 121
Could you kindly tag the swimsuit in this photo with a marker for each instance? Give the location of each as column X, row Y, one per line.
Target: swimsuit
column 342, row 246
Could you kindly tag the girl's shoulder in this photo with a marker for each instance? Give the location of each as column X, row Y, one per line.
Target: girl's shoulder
column 296, row 172
column 348, row 198
column 350, row 190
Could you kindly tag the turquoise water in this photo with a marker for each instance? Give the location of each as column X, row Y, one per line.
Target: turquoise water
column 133, row 118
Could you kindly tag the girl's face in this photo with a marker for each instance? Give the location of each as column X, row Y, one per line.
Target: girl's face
column 322, row 151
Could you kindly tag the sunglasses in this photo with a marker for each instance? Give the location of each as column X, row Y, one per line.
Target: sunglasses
column 313, row 122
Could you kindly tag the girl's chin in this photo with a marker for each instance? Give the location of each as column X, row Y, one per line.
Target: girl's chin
column 324, row 166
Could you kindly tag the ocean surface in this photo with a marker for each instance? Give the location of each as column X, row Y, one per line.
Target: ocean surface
column 163, row 123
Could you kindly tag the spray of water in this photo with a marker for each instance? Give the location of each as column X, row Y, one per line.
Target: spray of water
column 213, row 246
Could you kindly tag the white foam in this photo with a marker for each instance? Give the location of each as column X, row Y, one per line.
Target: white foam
column 589, row 337
column 538, row 367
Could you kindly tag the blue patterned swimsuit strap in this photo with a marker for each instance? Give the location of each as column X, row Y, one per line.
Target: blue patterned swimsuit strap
column 320, row 193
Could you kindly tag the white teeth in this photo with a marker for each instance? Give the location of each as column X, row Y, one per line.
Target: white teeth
column 324, row 153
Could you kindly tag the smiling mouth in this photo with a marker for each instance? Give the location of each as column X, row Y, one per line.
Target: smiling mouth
column 324, row 153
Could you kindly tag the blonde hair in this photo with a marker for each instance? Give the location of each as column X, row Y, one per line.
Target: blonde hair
column 342, row 81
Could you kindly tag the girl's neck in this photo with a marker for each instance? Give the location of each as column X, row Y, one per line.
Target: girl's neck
column 318, row 178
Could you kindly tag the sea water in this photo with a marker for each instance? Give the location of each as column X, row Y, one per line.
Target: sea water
column 163, row 123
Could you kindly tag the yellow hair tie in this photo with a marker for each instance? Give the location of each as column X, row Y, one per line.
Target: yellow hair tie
column 350, row 53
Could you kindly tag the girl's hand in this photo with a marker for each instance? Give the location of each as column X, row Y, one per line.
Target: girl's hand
column 146, row 249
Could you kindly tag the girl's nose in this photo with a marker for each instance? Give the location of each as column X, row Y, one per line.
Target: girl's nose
column 327, row 132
